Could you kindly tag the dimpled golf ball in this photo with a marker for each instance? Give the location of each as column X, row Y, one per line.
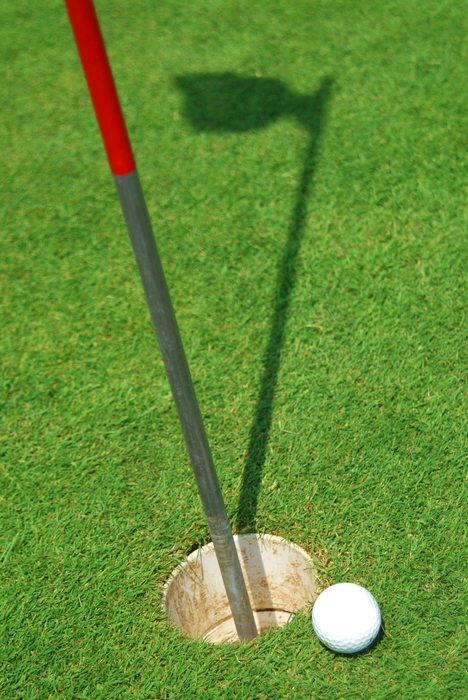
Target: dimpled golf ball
column 346, row 618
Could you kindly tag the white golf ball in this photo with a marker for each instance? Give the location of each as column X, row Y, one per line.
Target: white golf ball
column 346, row 618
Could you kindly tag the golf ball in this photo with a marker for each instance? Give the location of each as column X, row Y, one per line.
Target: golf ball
column 346, row 618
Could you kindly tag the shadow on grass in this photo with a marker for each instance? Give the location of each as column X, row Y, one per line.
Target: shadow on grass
column 226, row 102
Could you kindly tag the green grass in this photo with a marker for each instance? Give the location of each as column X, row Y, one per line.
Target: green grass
column 317, row 257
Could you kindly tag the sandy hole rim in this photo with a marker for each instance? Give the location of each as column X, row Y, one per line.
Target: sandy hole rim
column 270, row 547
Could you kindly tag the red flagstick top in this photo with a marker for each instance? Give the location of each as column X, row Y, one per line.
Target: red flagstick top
column 97, row 70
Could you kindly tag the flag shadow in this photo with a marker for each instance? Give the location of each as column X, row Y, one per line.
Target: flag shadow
column 226, row 102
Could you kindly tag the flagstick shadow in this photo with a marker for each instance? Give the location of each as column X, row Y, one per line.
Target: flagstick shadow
column 261, row 425
column 226, row 102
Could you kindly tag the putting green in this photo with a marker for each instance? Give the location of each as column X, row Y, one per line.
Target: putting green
column 313, row 230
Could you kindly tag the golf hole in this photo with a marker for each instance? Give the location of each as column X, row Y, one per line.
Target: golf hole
column 279, row 577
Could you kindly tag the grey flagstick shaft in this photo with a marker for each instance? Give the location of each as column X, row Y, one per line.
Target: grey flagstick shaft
column 157, row 295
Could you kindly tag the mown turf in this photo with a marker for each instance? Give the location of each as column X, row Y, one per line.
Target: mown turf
column 313, row 227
